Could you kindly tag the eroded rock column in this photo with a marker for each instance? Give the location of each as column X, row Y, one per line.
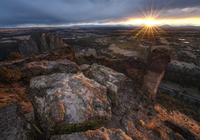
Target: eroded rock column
column 157, row 60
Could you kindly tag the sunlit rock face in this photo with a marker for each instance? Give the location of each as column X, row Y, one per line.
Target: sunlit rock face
column 41, row 42
column 98, row 134
column 157, row 60
column 121, row 90
column 69, row 99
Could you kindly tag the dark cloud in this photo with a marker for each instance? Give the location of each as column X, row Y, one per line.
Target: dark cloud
column 52, row 12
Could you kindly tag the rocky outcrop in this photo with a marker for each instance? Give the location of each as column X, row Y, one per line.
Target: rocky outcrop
column 98, row 134
column 120, row 88
column 157, row 60
column 148, row 74
column 40, row 43
column 12, row 127
column 72, row 101
column 48, row 67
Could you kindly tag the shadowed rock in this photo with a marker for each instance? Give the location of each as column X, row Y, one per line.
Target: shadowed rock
column 11, row 126
column 181, row 130
column 98, row 134
column 40, row 43
column 157, row 60
column 48, row 67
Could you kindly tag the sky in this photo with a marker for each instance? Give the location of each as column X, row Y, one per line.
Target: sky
column 61, row 13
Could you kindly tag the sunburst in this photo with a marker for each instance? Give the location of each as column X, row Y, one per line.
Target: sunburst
column 150, row 29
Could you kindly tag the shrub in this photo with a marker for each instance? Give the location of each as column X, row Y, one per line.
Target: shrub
column 67, row 51
column 52, row 52
column 15, row 56
column 36, row 53
column 32, row 55
column 61, row 52
column 91, row 56
column 9, row 75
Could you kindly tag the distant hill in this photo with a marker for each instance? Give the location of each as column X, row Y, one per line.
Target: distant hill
column 168, row 27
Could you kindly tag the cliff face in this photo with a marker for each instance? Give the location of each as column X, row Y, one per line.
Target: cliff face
column 40, row 43
column 157, row 60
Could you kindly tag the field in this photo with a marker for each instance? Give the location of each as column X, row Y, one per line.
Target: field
column 129, row 45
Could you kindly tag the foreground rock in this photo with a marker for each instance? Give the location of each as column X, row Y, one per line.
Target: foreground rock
column 48, row 67
column 98, row 134
column 72, row 102
column 40, row 43
column 11, row 126
column 121, row 89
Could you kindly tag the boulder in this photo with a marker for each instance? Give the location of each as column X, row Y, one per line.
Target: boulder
column 68, row 102
column 98, row 134
column 11, row 126
column 48, row 67
column 121, row 90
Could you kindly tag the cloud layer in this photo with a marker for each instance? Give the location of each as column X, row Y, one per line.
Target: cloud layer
column 55, row 12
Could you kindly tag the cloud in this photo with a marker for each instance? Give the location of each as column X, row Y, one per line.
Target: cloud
column 52, row 12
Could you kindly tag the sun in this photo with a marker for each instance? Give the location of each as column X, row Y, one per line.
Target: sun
column 150, row 22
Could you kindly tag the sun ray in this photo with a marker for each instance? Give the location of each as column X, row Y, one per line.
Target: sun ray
column 151, row 8
column 145, row 28
column 162, row 9
column 133, row 30
column 162, row 30
column 150, row 31
column 156, row 31
column 142, row 10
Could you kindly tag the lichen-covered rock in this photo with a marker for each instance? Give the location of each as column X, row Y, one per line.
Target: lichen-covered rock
column 98, row 134
column 11, row 126
column 123, row 94
column 68, row 102
column 48, row 67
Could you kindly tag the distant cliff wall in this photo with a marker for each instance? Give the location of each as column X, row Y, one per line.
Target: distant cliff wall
column 40, row 43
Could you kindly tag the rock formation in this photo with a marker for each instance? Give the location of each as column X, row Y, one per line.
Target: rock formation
column 40, row 43
column 157, row 64
column 93, row 101
column 120, row 88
